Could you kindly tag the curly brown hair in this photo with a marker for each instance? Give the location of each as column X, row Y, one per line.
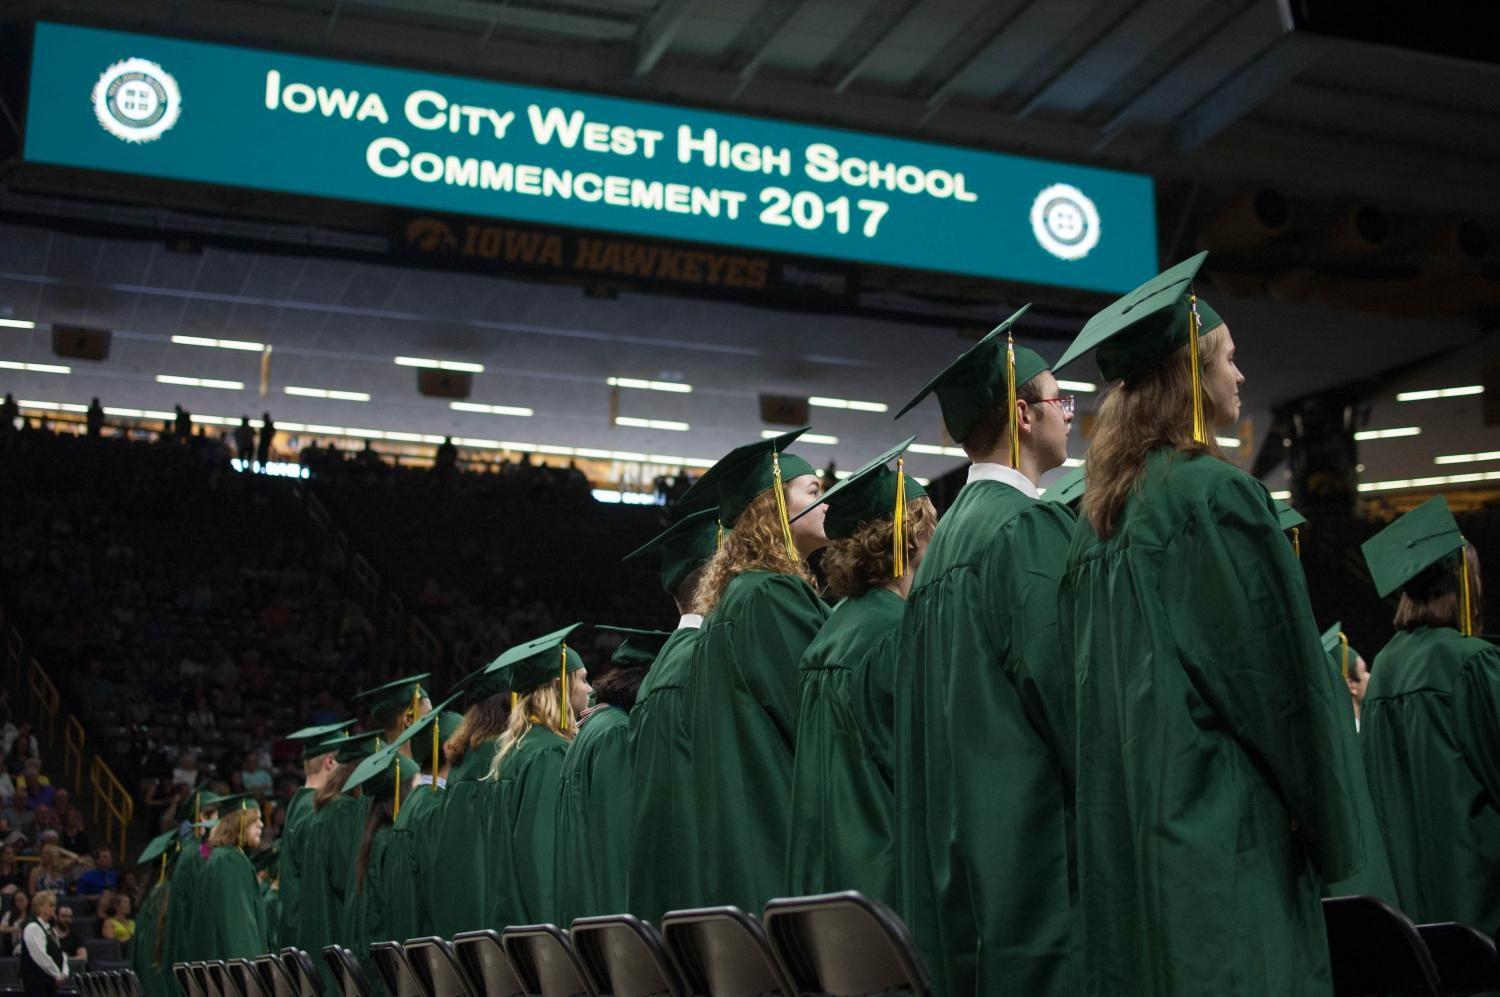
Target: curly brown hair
column 865, row 561
column 1136, row 418
column 483, row 722
column 755, row 544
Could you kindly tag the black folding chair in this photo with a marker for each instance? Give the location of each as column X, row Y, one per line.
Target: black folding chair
column 115, row 980
column 205, row 979
column 347, row 972
column 130, row 984
column 437, row 968
column 278, row 979
column 1375, row 949
column 544, row 959
column 395, row 972
column 624, row 955
column 1464, row 956
column 305, row 976
column 486, row 966
column 722, row 952
column 844, row 943
column 87, row 987
column 247, row 978
column 218, row 971
column 187, row 980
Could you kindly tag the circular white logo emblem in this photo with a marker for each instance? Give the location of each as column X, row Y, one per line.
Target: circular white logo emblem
column 136, row 100
column 1065, row 222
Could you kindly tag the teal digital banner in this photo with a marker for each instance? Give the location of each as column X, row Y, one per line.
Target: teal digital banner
column 183, row 110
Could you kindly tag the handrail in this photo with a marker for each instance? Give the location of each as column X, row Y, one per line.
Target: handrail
column 116, row 799
column 44, row 694
column 73, row 738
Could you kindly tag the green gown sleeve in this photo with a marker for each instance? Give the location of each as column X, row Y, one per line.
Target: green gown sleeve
column 402, row 874
column 608, row 802
column 1476, row 718
column 1238, row 610
column 459, row 851
column 289, row 914
column 525, row 840
column 143, row 953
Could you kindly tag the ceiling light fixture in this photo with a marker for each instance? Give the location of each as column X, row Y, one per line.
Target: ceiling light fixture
column 200, row 382
column 667, row 424
column 1431, row 393
column 675, row 387
column 342, row 396
column 36, row 368
column 846, row 403
column 771, row 434
column 1388, row 434
column 428, row 362
column 220, row 344
column 516, row 410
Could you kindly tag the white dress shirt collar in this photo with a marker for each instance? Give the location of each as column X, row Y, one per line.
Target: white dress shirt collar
column 692, row 621
column 1004, row 475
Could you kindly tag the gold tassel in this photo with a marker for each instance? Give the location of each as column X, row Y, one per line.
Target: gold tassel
column 1010, row 399
column 1463, row 588
column 243, row 822
column 435, row 755
column 1200, row 431
column 416, row 705
column 515, row 697
column 563, row 681
column 1297, row 541
column 396, row 777
column 719, row 536
column 163, row 867
column 786, row 526
column 898, row 530
column 1344, row 654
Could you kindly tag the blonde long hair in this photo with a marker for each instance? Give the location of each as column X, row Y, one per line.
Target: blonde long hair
column 1136, row 418
column 755, row 544
column 857, row 564
column 542, row 705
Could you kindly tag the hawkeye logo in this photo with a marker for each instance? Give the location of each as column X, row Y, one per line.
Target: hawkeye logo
column 136, row 100
column 1065, row 222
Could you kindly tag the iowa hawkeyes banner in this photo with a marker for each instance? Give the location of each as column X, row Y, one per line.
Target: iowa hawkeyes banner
column 496, row 247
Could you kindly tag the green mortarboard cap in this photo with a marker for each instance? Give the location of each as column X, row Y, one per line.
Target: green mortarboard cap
column 384, row 701
column 197, row 801
column 320, row 731
column 1136, row 333
column 421, row 732
column 538, row 661
column 974, row 383
column 378, row 773
column 742, row 474
column 266, row 858
column 639, row 648
column 238, row 801
column 355, row 747
column 1288, row 517
column 1068, row 489
column 484, row 682
column 1331, row 644
column 157, row 847
column 683, row 546
column 868, row 493
column 1403, row 550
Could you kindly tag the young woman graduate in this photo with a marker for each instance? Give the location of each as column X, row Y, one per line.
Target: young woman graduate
column 662, row 839
column 878, row 524
column 1215, row 745
column 456, row 850
column 199, row 810
column 594, row 799
column 1431, row 731
column 551, row 689
column 982, row 737
column 760, row 612
column 317, row 765
column 408, row 868
column 229, row 919
column 385, row 780
column 145, row 952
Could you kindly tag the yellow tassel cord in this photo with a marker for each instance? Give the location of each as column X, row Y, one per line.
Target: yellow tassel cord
column 1344, row 654
column 1463, row 590
column 434, row 756
column 898, row 531
column 1010, row 400
column 163, row 878
column 1297, row 541
column 515, row 697
column 416, row 705
column 786, row 526
column 563, row 681
column 1200, row 430
column 243, row 822
column 719, row 537
column 396, row 777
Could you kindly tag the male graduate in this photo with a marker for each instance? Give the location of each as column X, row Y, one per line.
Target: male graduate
column 407, row 871
column 661, row 814
column 229, row 916
column 383, row 780
column 199, row 810
column 983, row 792
column 594, row 801
column 396, row 705
column 145, row 952
column 318, row 765
column 1431, row 731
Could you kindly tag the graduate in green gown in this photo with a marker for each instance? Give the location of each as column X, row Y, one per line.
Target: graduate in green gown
column 267, row 865
column 1215, row 744
column 396, row 705
column 229, row 919
column 406, row 871
column 145, row 953
column 551, row 688
column 456, row 850
column 328, row 912
column 760, row 612
column 317, row 765
column 1431, row 731
column 384, row 781
column 983, row 794
column 594, row 801
column 662, row 835
column 843, row 785
column 1068, row 490
column 199, row 810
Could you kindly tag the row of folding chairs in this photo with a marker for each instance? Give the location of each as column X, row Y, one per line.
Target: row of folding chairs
column 1376, row 949
column 111, row 983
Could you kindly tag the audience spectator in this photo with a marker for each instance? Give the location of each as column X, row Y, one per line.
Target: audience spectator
column 75, row 836
column 62, row 805
column 12, row 878
column 244, row 441
column 35, row 788
column 9, row 413
column 102, row 877
column 67, row 939
column 94, row 418
column 7, row 788
column 119, row 923
column 267, row 434
column 16, row 912
column 17, row 818
column 186, row 772
column 51, row 871
column 255, row 777
column 23, row 748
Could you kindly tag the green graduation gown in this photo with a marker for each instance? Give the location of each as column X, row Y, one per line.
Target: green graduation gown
column 270, row 899
column 1215, row 745
column 1431, row 742
column 843, row 795
column 742, row 695
column 983, row 804
column 229, row 920
column 403, row 873
column 663, row 841
column 459, row 852
column 523, row 829
column 177, row 946
column 593, row 818
column 143, row 954
column 375, row 906
column 293, row 837
column 328, row 915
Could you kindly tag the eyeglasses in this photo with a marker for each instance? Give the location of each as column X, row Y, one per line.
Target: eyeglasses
column 1065, row 403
